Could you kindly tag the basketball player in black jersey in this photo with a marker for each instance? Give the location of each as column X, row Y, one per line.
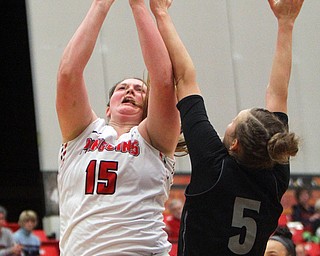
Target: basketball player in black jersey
column 233, row 199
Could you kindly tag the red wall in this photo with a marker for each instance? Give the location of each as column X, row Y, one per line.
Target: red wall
column 180, row 182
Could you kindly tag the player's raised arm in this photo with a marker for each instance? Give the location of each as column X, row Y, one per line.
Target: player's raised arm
column 162, row 125
column 286, row 12
column 184, row 70
column 72, row 102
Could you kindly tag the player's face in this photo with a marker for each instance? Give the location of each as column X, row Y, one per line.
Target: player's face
column 275, row 248
column 229, row 135
column 128, row 99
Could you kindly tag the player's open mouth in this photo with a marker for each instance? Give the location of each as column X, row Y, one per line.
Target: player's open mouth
column 129, row 100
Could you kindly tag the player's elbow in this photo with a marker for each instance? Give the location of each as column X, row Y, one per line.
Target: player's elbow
column 188, row 77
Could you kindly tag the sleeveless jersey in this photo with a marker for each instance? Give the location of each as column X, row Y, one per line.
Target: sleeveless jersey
column 229, row 209
column 112, row 193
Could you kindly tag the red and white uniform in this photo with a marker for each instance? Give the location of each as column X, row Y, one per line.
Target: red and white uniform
column 112, row 194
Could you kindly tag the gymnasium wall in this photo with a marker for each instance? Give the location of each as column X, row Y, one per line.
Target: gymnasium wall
column 231, row 43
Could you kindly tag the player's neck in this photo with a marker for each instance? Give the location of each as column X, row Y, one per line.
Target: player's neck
column 122, row 128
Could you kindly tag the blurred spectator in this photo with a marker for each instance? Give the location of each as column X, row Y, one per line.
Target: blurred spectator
column 280, row 243
column 316, row 222
column 7, row 244
column 303, row 211
column 28, row 220
column 172, row 221
column 300, row 250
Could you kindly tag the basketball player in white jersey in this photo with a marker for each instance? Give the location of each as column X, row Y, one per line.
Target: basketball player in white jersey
column 114, row 177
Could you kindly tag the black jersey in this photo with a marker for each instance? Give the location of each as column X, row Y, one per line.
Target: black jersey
column 229, row 209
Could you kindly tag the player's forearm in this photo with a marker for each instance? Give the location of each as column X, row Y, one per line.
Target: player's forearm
column 80, row 47
column 282, row 61
column 154, row 51
column 184, row 71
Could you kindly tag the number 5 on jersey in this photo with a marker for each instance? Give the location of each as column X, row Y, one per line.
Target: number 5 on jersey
column 240, row 221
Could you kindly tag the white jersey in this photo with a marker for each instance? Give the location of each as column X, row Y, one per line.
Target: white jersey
column 112, row 194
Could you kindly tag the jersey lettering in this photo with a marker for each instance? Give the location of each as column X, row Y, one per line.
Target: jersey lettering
column 100, row 145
